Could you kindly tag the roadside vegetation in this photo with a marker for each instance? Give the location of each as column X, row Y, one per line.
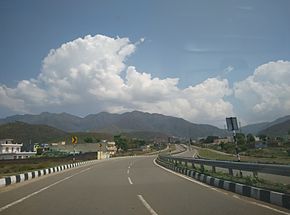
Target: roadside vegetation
column 266, row 150
column 247, row 180
column 257, row 155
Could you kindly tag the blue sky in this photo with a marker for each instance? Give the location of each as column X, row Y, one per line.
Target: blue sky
column 223, row 41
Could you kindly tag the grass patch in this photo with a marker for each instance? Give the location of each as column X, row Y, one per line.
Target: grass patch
column 256, row 156
column 206, row 153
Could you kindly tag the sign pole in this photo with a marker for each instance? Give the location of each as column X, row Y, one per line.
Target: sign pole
column 236, row 144
column 232, row 125
column 74, row 141
column 74, row 155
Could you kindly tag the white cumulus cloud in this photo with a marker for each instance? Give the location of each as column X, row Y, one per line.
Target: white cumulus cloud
column 90, row 73
column 266, row 93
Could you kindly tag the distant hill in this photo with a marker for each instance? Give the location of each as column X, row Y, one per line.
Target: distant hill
column 24, row 133
column 63, row 121
column 254, row 128
column 145, row 135
column 135, row 121
column 259, row 127
column 279, row 129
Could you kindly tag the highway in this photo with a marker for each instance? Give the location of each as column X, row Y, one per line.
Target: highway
column 130, row 185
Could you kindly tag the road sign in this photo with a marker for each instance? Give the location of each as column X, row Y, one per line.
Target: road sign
column 232, row 123
column 74, row 140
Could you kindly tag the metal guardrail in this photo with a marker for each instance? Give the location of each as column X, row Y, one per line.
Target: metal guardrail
column 283, row 170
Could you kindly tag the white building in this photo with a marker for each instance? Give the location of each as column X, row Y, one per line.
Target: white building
column 11, row 150
column 102, row 152
column 111, row 148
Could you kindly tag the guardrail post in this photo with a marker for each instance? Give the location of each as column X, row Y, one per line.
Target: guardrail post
column 213, row 169
column 201, row 167
column 231, row 172
column 192, row 165
column 185, row 163
column 255, row 174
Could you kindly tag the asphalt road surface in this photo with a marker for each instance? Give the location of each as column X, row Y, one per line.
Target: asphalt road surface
column 131, row 185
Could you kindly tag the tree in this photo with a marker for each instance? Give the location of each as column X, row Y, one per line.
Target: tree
column 210, row 139
column 250, row 138
column 263, row 137
column 121, row 143
column 240, row 138
column 88, row 139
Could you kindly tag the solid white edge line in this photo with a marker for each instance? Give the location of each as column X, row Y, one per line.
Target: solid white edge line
column 183, row 176
column 149, row 208
column 129, row 179
column 212, row 188
column 39, row 191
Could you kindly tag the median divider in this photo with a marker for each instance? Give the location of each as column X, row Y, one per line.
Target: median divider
column 276, row 198
column 38, row 173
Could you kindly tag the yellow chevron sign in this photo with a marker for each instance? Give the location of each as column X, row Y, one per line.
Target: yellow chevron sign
column 74, row 140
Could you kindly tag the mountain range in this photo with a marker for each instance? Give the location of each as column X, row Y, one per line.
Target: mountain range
column 278, row 127
column 135, row 121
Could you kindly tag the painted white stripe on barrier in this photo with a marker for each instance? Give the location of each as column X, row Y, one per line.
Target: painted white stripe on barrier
column 226, row 185
column 255, row 193
column 276, row 198
column 216, row 182
column 239, row 188
column 208, row 179
column 13, row 179
column 29, row 175
column 22, row 177
column 2, row 182
column 191, row 174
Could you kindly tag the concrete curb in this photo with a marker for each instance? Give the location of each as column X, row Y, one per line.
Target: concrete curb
column 268, row 196
column 38, row 173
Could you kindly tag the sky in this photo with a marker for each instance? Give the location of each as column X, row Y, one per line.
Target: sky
column 199, row 60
